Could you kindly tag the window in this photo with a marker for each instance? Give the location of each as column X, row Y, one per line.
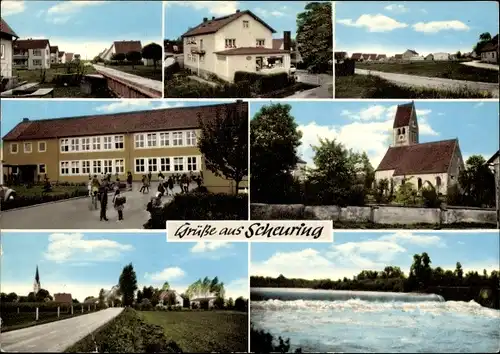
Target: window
column 64, row 168
column 190, row 57
column 165, row 164
column 438, row 181
column 27, row 148
column 15, row 170
column 404, row 131
column 64, row 145
column 177, row 138
column 75, row 167
column 178, row 164
column 139, row 165
column 246, row 24
column 42, row 146
column 152, row 165
column 14, row 148
column 151, row 139
column 96, row 143
column 3, row 51
column 260, row 42
column 201, row 44
column 108, row 143
column 119, row 145
column 230, row 43
column 419, row 182
column 399, row 131
column 164, row 139
column 37, row 62
column 119, row 166
column 191, row 138
column 139, row 141
column 108, row 166
column 37, row 53
column 86, row 167
column 96, row 167
column 191, row 164
column 75, row 144
column 42, row 169
column 85, row 144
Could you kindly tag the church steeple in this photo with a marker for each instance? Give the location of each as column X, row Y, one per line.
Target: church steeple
column 405, row 128
column 36, row 284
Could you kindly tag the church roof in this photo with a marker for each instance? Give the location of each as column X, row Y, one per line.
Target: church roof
column 434, row 157
column 403, row 115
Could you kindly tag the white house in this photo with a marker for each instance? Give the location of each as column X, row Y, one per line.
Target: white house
column 409, row 54
column 489, row 53
column 54, row 54
column 7, row 36
column 237, row 42
column 416, row 58
column 429, row 57
column 121, row 47
column 61, row 57
column 407, row 161
column 441, row 56
column 32, row 54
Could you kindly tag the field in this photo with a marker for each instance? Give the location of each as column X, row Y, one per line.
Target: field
column 442, row 69
column 370, row 86
column 203, row 331
column 140, row 70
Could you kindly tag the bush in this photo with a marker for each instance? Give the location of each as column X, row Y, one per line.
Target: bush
column 24, row 201
column 171, row 70
column 262, row 83
column 263, row 342
column 431, row 198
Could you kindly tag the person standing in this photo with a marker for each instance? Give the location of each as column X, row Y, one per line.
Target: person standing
column 119, row 204
column 129, row 180
column 170, row 183
column 104, row 203
column 143, row 187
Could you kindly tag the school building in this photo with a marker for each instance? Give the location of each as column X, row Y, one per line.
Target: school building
column 72, row 149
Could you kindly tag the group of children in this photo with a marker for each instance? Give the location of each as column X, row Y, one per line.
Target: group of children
column 99, row 189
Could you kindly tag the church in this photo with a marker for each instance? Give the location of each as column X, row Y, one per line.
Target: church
column 437, row 163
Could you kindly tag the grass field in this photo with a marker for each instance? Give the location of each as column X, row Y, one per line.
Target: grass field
column 442, row 69
column 141, row 70
column 370, row 86
column 203, row 331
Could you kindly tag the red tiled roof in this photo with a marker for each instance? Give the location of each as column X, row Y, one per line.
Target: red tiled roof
column 340, row 55
column 277, row 43
column 63, row 297
column 54, row 49
column 215, row 24
column 117, row 123
column 365, row 56
column 31, row 44
column 356, row 56
column 434, row 157
column 381, row 56
column 5, row 28
column 251, row 50
column 403, row 115
column 69, row 56
column 489, row 47
column 127, row 46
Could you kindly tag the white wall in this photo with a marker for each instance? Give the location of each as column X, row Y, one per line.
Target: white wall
column 109, row 53
column 441, row 56
column 245, row 37
column 490, row 57
column 208, row 62
column 6, row 61
column 44, row 57
column 413, row 179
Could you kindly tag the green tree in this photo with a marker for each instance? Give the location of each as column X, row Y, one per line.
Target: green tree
column 101, row 297
column 43, row 295
column 458, row 55
column 148, row 292
column 230, row 303
column 128, row 284
column 315, row 34
column 477, row 182
column 459, row 272
column 165, row 286
column 139, row 296
column 153, row 52
column 381, row 190
column 484, row 38
column 118, row 56
column 240, row 304
column 134, row 57
column 224, row 143
column 366, row 171
column 406, row 194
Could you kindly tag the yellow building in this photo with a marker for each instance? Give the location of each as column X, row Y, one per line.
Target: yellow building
column 72, row 149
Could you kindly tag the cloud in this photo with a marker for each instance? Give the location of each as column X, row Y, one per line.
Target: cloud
column 202, row 246
column 135, row 105
column 437, row 26
column 273, row 13
column 237, row 288
column 396, row 8
column 406, row 237
column 70, row 7
column 217, row 8
column 374, row 23
column 12, row 7
column 167, row 274
column 73, row 247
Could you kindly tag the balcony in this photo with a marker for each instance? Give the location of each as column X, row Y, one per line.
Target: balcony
column 20, row 55
column 197, row 50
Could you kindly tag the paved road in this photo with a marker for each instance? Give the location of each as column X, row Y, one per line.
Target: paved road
column 432, row 82
column 56, row 336
column 323, row 80
column 139, row 80
column 478, row 64
column 75, row 213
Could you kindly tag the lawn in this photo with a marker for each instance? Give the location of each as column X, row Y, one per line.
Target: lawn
column 141, row 70
column 370, row 86
column 203, row 331
column 442, row 69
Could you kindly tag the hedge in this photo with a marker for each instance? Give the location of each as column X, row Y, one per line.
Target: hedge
column 263, row 83
column 24, row 201
column 127, row 333
column 171, row 70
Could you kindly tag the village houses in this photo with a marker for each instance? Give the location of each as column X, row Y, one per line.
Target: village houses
column 123, row 47
column 54, row 54
column 489, row 53
column 32, row 54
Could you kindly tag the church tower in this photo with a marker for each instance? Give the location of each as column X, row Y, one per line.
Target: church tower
column 36, row 283
column 405, row 128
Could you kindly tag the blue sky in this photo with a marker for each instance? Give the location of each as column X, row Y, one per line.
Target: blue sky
column 280, row 15
column 13, row 111
column 85, row 27
column 367, row 126
column 83, row 263
column 427, row 27
column 353, row 252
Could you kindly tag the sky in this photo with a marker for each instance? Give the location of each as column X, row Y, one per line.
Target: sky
column 13, row 111
column 353, row 252
column 367, row 126
column 280, row 15
column 427, row 27
column 85, row 27
column 83, row 263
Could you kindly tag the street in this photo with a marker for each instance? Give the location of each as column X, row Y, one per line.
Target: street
column 323, row 81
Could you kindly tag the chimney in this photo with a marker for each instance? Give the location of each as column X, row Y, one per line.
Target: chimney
column 205, row 19
column 287, row 40
column 26, row 119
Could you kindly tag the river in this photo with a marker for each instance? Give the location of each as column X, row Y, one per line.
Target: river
column 361, row 321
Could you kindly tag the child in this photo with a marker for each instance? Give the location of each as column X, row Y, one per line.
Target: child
column 170, row 183
column 161, row 189
column 119, row 203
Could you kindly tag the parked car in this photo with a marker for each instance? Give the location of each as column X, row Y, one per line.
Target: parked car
column 7, row 194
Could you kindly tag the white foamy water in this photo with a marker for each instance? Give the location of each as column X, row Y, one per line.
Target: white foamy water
column 380, row 326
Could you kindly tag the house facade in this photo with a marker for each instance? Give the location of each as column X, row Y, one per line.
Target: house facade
column 429, row 57
column 72, row 149
column 68, row 57
column 7, row 36
column 409, row 54
column 489, row 53
column 238, row 42
column 441, row 56
column 32, row 54
column 61, row 57
column 63, row 298
column 54, row 54
column 408, row 161
column 121, row 47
